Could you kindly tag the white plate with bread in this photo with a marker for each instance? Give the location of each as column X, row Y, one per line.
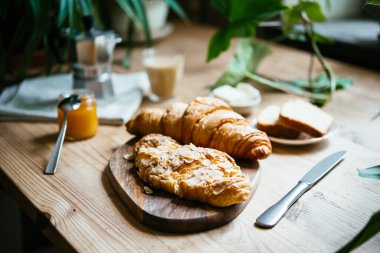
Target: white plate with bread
column 305, row 139
column 295, row 123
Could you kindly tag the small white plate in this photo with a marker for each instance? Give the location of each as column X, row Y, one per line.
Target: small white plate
column 303, row 139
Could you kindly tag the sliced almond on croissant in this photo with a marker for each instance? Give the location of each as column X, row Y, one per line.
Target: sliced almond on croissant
column 191, row 172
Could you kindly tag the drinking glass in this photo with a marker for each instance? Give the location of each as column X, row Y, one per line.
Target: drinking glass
column 165, row 71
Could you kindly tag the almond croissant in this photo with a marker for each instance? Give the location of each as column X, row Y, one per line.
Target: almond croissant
column 206, row 122
column 190, row 172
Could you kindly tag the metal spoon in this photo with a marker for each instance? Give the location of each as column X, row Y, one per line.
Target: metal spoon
column 66, row 105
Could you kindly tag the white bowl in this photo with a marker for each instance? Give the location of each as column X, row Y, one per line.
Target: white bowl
column 242, row 98
column 243, row 108
column 247, row 107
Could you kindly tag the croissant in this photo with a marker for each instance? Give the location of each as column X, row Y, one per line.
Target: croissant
column 190, row 172
column 205, row 122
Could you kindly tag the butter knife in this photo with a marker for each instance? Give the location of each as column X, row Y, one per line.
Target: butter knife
column 274, row 213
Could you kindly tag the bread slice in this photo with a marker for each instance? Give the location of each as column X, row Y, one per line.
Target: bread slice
column 268, row 121
column 305, row 117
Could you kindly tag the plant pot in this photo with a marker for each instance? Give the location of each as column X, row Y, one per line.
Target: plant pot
column 157, row 14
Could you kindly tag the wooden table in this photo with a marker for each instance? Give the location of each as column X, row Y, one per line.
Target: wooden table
column 78, row 210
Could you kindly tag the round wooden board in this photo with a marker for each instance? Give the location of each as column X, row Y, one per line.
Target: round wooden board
column 164, row 211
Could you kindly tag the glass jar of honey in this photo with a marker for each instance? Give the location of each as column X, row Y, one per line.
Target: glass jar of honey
column 82, row 123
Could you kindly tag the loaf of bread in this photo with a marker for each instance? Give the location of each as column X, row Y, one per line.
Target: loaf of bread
column 268, row 122
column 206, row 122
column 305, row 117
column 190, row 172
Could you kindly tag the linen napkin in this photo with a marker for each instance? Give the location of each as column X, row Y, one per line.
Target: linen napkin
column 36, row 99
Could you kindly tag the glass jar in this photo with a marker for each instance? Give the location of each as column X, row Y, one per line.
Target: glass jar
column 82, row 123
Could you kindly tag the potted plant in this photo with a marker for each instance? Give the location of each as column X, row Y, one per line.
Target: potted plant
column 243, row 19
column 156, row 11
column 39, row 24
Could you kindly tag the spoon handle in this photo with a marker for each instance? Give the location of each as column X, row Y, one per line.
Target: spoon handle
column 54, row 157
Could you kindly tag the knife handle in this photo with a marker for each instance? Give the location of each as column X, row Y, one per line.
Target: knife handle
column 274, row 214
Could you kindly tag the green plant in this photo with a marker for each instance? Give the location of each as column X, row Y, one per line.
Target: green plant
column 377, row 114
column 373, row 225
column 371, row 172
column 41, row 23
column 244, row 17
column 374, row 2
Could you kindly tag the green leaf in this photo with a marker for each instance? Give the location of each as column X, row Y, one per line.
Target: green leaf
column 289, row 88
column 62, row 12
column 177, row 9
column 321, row 85
column 313, row 11
column 135, row 10
column 293, row 15
column 220, row 5
column 374, row 2
column 373, row 225
column 40, row 11
column 129, row 46
column 126, row 6
column 371, row 172
column 370, row 230
column 19, row 35
column 320, row 38
column 49, row 56
column 243, row 18
column 342, row 82
column 85, row 7
column 220, row 41
column 297, row 36
column 72, row 16
column 248, row 55
column 377, row 114
column 139, row 9
column 257, row 10
column 100, row 14
column 321, row 81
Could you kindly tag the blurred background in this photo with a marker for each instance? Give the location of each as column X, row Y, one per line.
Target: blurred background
column 33, row 32
column 354, row 28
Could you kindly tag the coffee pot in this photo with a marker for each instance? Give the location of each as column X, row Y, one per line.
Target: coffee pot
column 92, row 60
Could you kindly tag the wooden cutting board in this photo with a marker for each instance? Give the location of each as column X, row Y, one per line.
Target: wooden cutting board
column 164, row 211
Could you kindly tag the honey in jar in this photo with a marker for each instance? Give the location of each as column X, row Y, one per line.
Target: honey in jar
column 82, row 123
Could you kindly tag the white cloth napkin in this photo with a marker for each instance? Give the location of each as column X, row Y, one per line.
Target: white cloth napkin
column 36, row 99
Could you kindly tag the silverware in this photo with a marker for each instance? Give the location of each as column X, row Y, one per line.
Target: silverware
column 67, row 104
column 274, row 214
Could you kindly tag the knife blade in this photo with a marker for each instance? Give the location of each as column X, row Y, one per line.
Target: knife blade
column 274, row 213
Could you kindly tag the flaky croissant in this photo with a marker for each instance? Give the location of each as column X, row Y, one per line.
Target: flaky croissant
column 190, row 172
column 206, row 122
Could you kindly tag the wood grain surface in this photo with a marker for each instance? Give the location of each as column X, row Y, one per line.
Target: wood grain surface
column 164, row 211
column 78, row 209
